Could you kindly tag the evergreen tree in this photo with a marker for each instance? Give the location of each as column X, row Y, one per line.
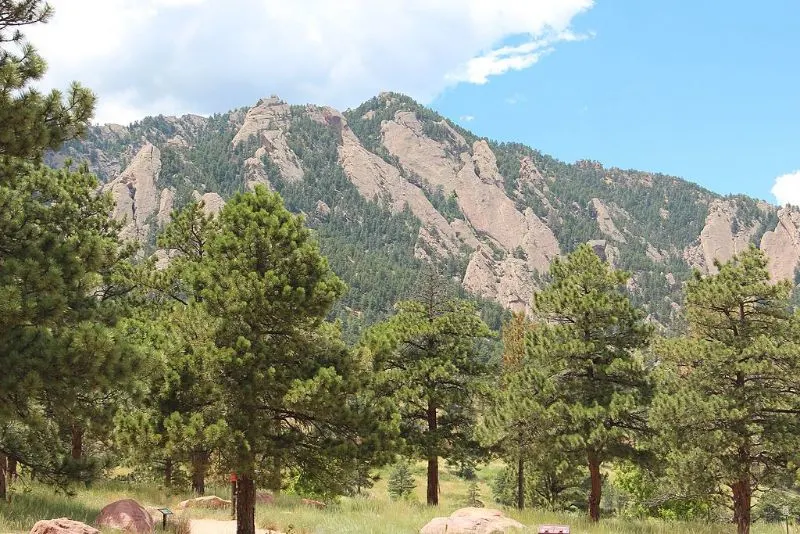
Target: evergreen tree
column 427, row 362
column 584, row 347
column 289, row 383
column 401, row 482
column 727, row 411
column 60, row 263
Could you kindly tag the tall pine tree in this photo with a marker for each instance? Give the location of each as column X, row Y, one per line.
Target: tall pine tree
column 585, row 345
column 426, row 358
column 728, row 407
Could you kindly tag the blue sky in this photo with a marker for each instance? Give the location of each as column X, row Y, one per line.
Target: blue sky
column 705, row 90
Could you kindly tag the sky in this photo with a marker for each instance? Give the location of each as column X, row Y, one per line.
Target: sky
column 702, row 89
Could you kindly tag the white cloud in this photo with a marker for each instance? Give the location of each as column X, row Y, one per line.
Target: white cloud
column 467, row 118
column 786, row 189
column 205, row 56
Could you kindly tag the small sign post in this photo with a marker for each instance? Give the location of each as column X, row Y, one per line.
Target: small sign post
column 165, row 512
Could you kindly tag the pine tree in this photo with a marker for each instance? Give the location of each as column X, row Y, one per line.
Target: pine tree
column 401, row 482
column 427, row 362
column 584, row 347
column 289, row 384
column 59, row 263
column 727, row 411
column 512, row 421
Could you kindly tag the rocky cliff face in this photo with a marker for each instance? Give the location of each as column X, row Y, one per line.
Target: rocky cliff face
column 493, row 215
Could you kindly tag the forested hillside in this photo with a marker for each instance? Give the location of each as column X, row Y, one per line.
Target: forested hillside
column 391, row 186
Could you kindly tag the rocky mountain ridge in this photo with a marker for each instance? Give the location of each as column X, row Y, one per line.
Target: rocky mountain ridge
column 493, row 215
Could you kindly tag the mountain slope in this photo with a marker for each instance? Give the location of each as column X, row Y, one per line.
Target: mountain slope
column 392, row 185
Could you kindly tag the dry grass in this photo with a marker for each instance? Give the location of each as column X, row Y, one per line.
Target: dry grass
column 372, row 513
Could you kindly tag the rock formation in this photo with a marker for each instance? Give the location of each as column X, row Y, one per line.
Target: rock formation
column 62, row 526
column 135, row 192
column 126, row 515
column 782, row 245
column 209, row 501
column 473, row 521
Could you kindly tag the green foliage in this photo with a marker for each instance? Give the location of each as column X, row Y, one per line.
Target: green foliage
column 586, row 378
column 474, row 495
column 553, row 486
column 727, row 411
column 63, row 272
column 426, row 361
column 401, row 483
column 647, row 493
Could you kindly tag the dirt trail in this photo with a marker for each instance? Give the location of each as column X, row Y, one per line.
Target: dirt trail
column 211, row 526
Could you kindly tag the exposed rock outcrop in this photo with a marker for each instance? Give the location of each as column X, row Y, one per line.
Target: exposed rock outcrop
column 62, row 526
column 507, row 281
column 165, row 206
column 603, row 217
column 126, row 515
column 473, row 521
column 212, row 202
column 782, row 245
column 486, row 163
column 209, row 501
column 136, row 194
column 717, row 240
column 268, row 121
column 376, row 179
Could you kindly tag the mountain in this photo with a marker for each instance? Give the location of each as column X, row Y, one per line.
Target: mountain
column 391, row 185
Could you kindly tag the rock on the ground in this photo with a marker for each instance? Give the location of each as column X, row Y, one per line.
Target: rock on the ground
column 209, row 501
column 315, row 504
column 472, row 521
column 126, row 515
column 62, row 526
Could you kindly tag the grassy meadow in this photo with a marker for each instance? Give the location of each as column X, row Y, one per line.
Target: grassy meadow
column 373, row 513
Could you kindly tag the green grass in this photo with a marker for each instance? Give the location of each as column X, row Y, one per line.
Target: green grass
column 372, row 513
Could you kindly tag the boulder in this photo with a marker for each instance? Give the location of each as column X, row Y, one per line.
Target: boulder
column 313, row 503
column 210, row 501
column 126, row 515
column 472, row 521
column 62, row 526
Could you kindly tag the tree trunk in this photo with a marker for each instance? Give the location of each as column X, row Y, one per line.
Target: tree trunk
column 3, row 463
column 246, row 506
column 520, row 483
column 77, row 442
column 433, row 460
column 742, row 497
column 596, row 488
column 12, row 469
column 200, row 461
column 168, row 473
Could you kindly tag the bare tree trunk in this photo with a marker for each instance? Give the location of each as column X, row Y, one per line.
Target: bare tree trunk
column 200, row 461
column 596, row 487
column 3, row 464
column 520, row 483
column 742, row 501
column 246, row 505
column 433, row 460
column 77, row 442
